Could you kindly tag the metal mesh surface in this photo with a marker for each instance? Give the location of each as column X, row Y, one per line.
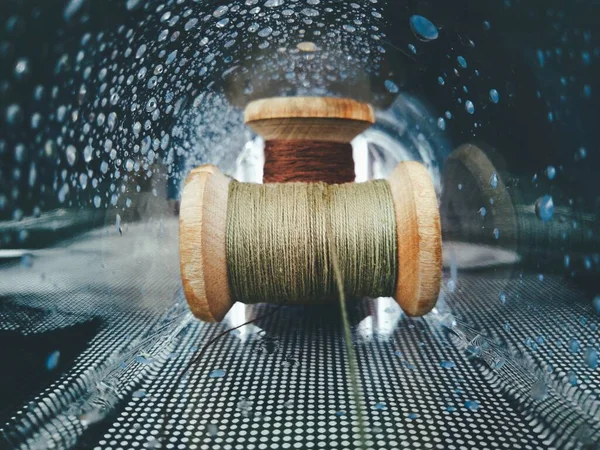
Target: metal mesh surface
column 501, row 363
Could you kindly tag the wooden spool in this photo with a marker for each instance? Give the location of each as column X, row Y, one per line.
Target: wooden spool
column 303, row 123
column 203, row 213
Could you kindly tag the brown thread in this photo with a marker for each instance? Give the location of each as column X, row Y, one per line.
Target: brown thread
column 308, row 161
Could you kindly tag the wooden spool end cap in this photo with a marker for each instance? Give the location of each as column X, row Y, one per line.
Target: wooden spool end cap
column 419, row 238
column 202, row 232
column 327, row 119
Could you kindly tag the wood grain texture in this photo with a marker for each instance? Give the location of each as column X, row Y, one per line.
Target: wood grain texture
column 326, row 119
column 202, row 233
column 419, row 238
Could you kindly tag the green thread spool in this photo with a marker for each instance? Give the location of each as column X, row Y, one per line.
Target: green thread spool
column 210, row 227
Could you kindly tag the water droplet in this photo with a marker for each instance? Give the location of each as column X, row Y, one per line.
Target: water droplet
column 52, row 360
column 222, row 23
column 212, row 430
column 482, row 211
column 494, row 96
column 265, row 32
column 139, row 394
column 550, row 172
column 380, row 406
column 448, row 364
column 27, row 260
column 340, row 413
column 574, row 346
column 469, row 107
column 472, row 405
column 423, row 28
column 413, row 415
column 572, row 378
column 591, row 357
column 220, row 11
column 310, row 12
column 450, row 409
column 129, row 164
column 391, row 86
column 132, row 4
column 544, row 208
column 539, row 390
column 596, row 304
column 217, row 373
column 441, row 123
column 14, row 114
column 71, row 155
column 349, row 28
column 494, row 180
column 152, row 104
column 462, row 62
column 502, row 298
column 97, row 201
column 496, row 233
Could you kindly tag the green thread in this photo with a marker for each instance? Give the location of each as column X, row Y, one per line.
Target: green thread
column 278, row 249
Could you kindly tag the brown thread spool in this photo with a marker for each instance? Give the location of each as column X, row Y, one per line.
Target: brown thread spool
column 203, row 216
column 308, row 139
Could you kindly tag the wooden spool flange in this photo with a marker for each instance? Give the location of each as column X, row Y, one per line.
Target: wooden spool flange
column 202, row 235
column 327, row 119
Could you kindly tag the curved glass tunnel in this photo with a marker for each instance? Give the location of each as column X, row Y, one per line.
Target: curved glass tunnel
column 105, row 107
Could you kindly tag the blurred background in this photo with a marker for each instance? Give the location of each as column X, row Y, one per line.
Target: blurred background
column 106, row 105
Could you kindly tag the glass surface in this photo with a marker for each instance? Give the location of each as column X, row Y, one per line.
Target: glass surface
column 105, row 107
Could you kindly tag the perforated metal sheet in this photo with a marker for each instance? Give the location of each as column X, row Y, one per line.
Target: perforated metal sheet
column 495, row 366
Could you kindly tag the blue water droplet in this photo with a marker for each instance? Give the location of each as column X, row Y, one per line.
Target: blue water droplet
column 400, row 354
column 139, row 393
column 591, row 357
column 450, row 409
column 423, row 28
column 472, row 405
column 539, row 390
column 340, row 413
column 462, row 62
column 140, row 359
column 53, row 360
column 494, row 180
column 596, row 304
column 550, row 172
column 469, row 107
column 441, row 123
column 574, row 346
column 413, row 415
column 391, row 86
column 494, row 96
column 447, row 364
column 380, row 406
column 217, row 373
column 412, row 49
column 572, row 378
column 482, row 211
column 544, row 208
column 496, row 233
column 441, row 81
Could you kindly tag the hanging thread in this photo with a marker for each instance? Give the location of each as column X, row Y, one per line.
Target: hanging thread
column 277, row 247
column 308, row 161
